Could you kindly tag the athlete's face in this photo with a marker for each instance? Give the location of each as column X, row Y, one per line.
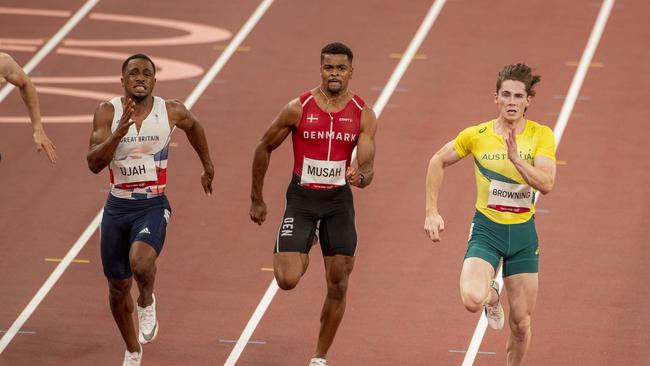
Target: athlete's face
column 138, row 78
column 335, row 72
column 512, row 100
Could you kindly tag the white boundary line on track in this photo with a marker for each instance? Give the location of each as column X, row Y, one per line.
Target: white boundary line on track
column 94, row 224
column 558, row 131
column 49, row 46
column 385, row 95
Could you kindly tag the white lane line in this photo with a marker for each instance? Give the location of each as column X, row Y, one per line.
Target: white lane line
column 252, row 324
column 378, row 108
column 53, row 42
column 558, row 131
column 412, row 49
column 76, row 248
column 56, row 274
column 225, row 56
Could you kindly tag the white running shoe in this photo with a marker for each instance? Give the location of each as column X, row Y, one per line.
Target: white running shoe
column 148, row 323
column 132, row 358
column 494, row 313
column 317, row 362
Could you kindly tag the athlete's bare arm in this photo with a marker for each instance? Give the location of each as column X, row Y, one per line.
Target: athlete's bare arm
column 184, row 119
column 280, row 128
column 362, row 175
column 13, row 73
column 433, row 223
column 540, row 175
column 103, row 142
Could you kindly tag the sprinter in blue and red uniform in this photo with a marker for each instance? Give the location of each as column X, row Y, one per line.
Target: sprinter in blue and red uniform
column 326, row 124
column 131, row 137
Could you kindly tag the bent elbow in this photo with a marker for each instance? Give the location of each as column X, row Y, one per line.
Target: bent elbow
column 93, row 166
column 547, row 188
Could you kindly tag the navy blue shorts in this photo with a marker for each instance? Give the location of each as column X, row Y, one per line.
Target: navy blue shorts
column 332, row 210
column 126, row 221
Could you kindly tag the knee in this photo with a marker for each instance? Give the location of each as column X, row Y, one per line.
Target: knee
column 520, row 326
column 286, row 282
column 337, row 289
column 142, row 269
column 474, row 298
column 118, row 291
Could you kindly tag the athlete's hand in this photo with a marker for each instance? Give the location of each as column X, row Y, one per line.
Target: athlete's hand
column 353, row 176
column 43, row 143
column 258, row 212
column 125, row 121
column 511, row 143
column 433, row 225
column 206, row 181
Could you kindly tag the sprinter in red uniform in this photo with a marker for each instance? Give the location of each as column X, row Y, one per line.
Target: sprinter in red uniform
column 326, row 124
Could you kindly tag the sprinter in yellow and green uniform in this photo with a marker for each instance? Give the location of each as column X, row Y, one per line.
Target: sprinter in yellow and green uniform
column 513, row 159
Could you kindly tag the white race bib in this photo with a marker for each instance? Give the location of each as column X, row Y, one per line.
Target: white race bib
column 322, row 172
column 508, row 197
column 132, row 170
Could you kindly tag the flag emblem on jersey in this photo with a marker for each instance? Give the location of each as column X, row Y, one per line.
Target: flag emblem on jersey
column 312, row 118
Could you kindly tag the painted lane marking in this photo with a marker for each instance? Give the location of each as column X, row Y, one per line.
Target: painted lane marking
column 465, row 351
column 235, row 341
column 558, row 131
column 30, row 332
column 576, row 63
column 418, row 56
column 53, row 42
column 56, row 260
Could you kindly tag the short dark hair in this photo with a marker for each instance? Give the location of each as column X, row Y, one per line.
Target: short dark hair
column 336, row 48
column 519, row 72
column 138, row 56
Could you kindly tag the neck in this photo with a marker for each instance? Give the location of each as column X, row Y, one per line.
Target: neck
column 332, row 97
column 503, row 125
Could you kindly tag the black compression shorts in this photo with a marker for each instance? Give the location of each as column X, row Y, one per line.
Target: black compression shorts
column 306, row 207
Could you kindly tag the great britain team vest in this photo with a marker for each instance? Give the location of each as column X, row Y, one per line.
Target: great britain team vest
column 139, row 167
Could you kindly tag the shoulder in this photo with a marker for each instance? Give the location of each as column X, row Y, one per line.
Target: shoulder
column 106, row 108
column 538, row 129
column 5, row 59
column 292, row 111
column 174, row 104
column 176, row 110
column 358, row 102
column 6, row 64
column 104, row 114
column 475, row 130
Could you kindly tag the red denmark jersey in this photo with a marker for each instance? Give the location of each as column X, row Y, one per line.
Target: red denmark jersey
column 323, row 142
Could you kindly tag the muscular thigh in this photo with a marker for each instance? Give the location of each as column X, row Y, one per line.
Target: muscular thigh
column 522, row 294
column 338, row 233
column 297, row 230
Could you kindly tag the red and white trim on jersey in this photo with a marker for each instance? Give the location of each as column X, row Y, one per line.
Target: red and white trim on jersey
column 323, row 142
column 139, row 167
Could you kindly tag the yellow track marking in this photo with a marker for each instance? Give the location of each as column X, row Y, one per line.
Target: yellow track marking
column 418, row 56
column 593, row 64
column 84, row 261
